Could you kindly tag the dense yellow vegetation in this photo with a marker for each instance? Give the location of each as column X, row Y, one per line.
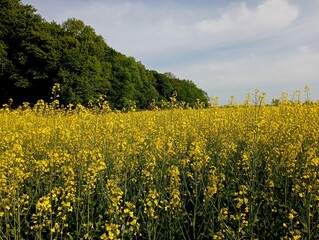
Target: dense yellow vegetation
column 236, row 172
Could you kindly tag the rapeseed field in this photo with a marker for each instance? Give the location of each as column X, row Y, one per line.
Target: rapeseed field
column 245, row 171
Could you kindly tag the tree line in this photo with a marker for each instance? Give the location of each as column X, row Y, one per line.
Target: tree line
column 36, row 54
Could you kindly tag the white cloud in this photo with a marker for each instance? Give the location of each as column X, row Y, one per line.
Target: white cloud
column 142, row 29
column 227, row 49
column 272, row 74
column 239, row 22
column 174, row 31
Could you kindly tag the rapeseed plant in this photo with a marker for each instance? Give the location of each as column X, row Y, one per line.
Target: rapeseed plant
column 232, row 172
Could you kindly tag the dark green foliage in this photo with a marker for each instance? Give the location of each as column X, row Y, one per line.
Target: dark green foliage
column 35, row 54
column 84, row 73
column 22, row 50
column 163, row 85
column 188, row 92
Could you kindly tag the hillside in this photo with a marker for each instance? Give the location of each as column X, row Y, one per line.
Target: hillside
column 35, row 54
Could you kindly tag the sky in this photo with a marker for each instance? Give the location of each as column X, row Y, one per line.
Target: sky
column 227, row 48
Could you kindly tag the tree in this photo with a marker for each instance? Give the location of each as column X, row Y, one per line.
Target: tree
column 170, row 75
column 35, row 54
column 84, row 74
column 188, row 92
column 25, row 50
column 163, row 85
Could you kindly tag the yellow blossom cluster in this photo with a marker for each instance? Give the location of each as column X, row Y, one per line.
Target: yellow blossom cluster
column 234, row 172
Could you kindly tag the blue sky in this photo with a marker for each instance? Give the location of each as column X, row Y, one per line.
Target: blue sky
column 227, row 48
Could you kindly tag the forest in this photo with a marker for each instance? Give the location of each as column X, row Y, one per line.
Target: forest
column 36, row 54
